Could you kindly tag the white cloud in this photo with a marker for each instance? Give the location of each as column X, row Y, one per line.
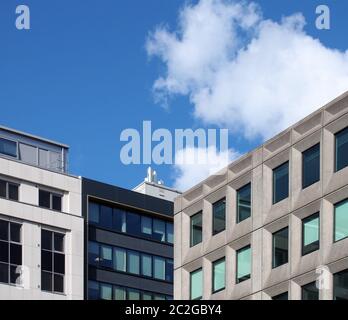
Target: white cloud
column 193, row 165
column 239, row 70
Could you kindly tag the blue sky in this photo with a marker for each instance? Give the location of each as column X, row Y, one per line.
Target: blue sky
column 82, row 74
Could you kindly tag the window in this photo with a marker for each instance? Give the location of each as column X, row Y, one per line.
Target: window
column 8, row 190
column 146, row 226
column 244, row 203
column 133, row 223
column 28, row 154
column 282, row 296
column 169, row 232
column 311, row 166
column 120, row 293
column 105, row 256
column 8, row 147
column 159, row 229
column 169, row 270
column 105, row 292
column 159, row 268
column 310, row 292
column 280, row 247
column 219, row 216
column 133, row 262
column 146, row 265
column 310, row 234
column 105, row 217
column 93, row 290
column 196, row 284
column 93, row 212
column 119, row 220
column 340, row 285
column 120, row 259
column 10, row 252
column 93, row 253
column 341, row 146
column 52, row 261
column 50, row 200
column 243, row 264
column 281, row 182
column 196, row 229
column 341, row 220
column 133, row 294
column 219, row 275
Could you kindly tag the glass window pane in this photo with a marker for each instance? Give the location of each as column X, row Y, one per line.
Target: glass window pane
column 341, row 220
column 93, row 212
column 105, row 217
column 120, row 259
column 3, row 186
column 159, row 268
column 120, row 293
column 147, row 296
column 196, row 284
column 341, row 149
column 243, row 264
column 93, row 290
column 44, row 199
column 46, row 281
column 281, row 182
column 93, row 253
column 28, row 154
column 43, row 158
column 282, row 296
column 219, row 209
column 46, row 239
column 244, row 203
column 4, row 273
column 133, row 294
column 4, row 247
column 59, row 263
column 105, row 292
column 218, row 275
column 159, row 297
column 105, row 256
column 280, row 247
column 146, row 226
column 57, row 202
column 8, row 147
column 3, row 230
column 146, row 265
column 196, row 229
column 310, row 240
column 133, row 262
column 310, row 292
column 15, row 231
column 15, row 254
column 341, row 285
column 46, row 260
column 55, row 161
column 119, row 220
column 159, row 230
column 59, row 242
column 311, row 166
column 58, row 283
column 169, row 270
column 133, row 223
column 13, row 192
column 170, row 233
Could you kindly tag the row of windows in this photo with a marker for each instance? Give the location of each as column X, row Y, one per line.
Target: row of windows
column 280, row 249
column 124, row 221
column 49, row 200
column 104, row 291
column 52, row 257
column 310, row 175
column 130, row 261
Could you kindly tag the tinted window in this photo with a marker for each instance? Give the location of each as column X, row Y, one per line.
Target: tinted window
column 93, row 253
column 159, row 268
column 119, row 220
column 106, row 256
column 170, row 232
column 120, row 259
column 196, row 229
column 196, row 284
column 311, row 166
column 310, row 234
column 341, row 285
column 13, row 191
column 146, row 226
column 8, row 147
column 280, row 247
column 105, row 217
column 159, row 230
column 57, row 202
column 46, row 239
column 282, row 296
column 281, row 182
column 341, row 149
column 133, row 262
column 44, row 199
column 219, row 275
column 93, row 212
column 310, row 292
column 341, row 220
column 243, row 264
column 219, row 216
column 146, row 265
column 3, row 189
column 133, row 223
column 244, row 203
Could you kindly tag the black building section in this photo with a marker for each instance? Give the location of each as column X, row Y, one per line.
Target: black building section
column 128, row 243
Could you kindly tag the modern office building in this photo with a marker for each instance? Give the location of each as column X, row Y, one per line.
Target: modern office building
column 128, row 244
column 274, row 223
column 41, row 225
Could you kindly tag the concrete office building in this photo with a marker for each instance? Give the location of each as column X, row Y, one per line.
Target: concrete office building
column 128, row 244
column 274, row 221
column 41, row 226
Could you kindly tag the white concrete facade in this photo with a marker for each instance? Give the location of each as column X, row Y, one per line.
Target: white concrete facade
column 33, row 219
column 256, row 168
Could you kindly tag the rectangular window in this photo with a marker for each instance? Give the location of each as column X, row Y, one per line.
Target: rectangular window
column 341, row 146
column 119, row 220
column 28, row 154
column 281, row 182
column 133, row 262
column 50, row 200
column 120, row 293
column 311, row 166
column 219, row 275
column 105, row 217
column 310, row 292
column 196, row 229
column 93, row 212
column 282, row 296
column 10, row 252
column 244, row 203
column 340, row 285
column 8, row 147
column 146, row 265
column 106, row 256
column 280, row 247
column 120, row 259
column 52, row 261
column 169, row 270
column 169, row 232
column 196, row 284
column 93, row 290
column 9, row 190
column 133, row 294
column 105, row 291
column 243, row 264
column 219, row 214
column 93, row 253
column 310, row 234
column 133, row 223
column 146, row 226
column 341, row 220
column 159, row 268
